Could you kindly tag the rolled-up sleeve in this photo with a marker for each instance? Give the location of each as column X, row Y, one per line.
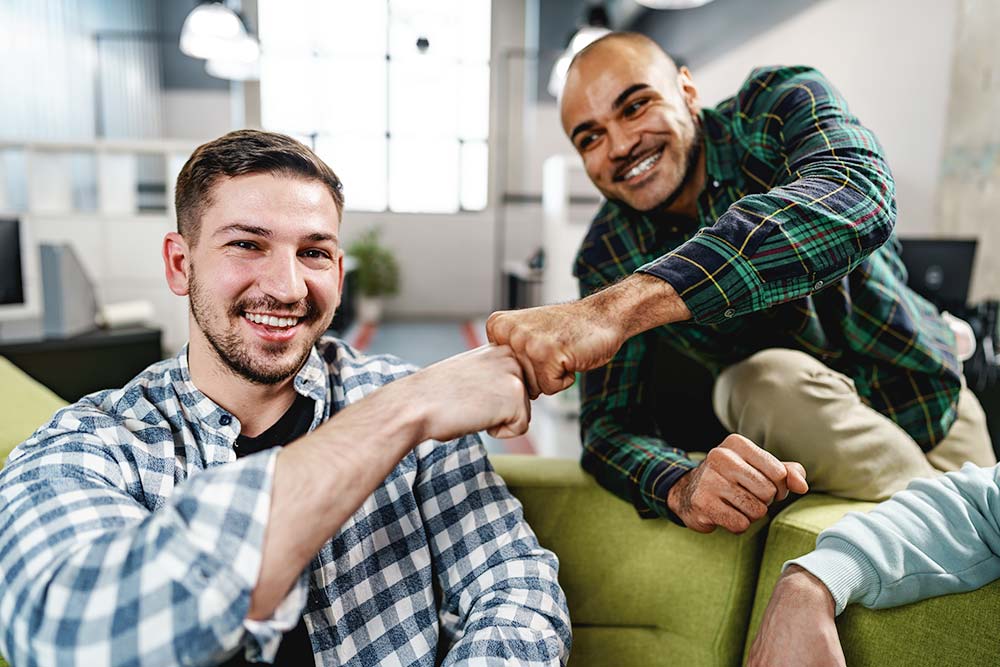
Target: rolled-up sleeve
column 826, row 202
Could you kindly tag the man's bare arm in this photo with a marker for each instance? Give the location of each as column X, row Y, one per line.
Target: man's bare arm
column 321, row 479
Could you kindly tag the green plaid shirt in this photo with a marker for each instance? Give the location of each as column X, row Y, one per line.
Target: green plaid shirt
column 793, row 248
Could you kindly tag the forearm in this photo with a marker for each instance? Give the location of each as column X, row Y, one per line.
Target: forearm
column 322, row 479
column 638, row 303
column 939, row 536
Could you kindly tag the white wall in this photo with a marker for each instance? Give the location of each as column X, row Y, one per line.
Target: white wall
column 891, row 59
column 199, row 115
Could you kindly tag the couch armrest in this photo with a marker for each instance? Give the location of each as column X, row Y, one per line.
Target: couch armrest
column 949, row 630
column 24, row 406
column 640, row 592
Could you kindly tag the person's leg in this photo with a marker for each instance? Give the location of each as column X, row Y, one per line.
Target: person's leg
column 968, row 439
column 799, row 409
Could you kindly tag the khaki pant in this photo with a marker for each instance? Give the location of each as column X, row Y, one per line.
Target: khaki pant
column 799, row 409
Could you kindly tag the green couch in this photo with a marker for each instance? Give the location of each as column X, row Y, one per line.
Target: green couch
column 648, row 593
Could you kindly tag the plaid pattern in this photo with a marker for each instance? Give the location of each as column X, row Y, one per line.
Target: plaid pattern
column 793, row 248
column 124, row 540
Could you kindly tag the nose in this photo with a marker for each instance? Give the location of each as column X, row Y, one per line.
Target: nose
column 283, row 279
column 621, row 141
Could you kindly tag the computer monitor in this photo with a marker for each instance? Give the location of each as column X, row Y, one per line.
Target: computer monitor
column 940, row 270
column 20, row 291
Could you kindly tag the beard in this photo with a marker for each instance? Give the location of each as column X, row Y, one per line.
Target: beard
column 266, row 368
column 690, row 165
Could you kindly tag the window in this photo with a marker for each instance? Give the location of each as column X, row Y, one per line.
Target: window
column 394, row 95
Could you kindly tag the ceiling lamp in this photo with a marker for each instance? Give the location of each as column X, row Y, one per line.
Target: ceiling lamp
column 212, row 30
column 596, row 26
column 672, row 4
column 580, row 40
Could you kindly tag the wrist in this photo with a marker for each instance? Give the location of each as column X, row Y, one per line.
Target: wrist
column 402, row 412
column 639, row 303
column 675, row 496
column 804, row 585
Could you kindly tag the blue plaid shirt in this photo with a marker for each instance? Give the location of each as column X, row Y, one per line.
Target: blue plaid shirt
column 131, row 535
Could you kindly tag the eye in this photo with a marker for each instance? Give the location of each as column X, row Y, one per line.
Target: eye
column 633, row 107
column 587, row 140
column 315, row 253
column 243, row 245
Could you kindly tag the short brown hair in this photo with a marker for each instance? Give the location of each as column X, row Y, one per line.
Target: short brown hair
column 237, row 154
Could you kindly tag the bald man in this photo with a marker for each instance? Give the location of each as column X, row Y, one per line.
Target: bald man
column 756, row 238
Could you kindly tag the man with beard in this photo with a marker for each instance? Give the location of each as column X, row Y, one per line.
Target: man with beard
column 756, row 239
column 269, row 494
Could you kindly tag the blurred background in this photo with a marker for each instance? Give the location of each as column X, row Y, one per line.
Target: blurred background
column 463, row 195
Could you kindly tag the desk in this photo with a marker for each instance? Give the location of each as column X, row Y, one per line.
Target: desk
column 76, row 366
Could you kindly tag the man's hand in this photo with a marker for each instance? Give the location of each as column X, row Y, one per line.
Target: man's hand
column 553, row 343
column 798, row 628
column 733, row 487
column 478, row 390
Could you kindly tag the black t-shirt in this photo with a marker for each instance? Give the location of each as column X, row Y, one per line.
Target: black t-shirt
column 295, row 649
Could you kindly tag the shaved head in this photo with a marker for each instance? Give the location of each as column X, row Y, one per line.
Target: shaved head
column 633, row 116
column 619, row 44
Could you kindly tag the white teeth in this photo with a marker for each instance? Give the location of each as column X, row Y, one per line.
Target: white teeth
column 643, row 166
column 271, row 321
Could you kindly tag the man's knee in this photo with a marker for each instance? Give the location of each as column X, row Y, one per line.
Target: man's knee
column 770, row 376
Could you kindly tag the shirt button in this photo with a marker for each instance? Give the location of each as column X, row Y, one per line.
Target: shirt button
column 729, row 312
column 225, row 420
column 715, row 184
column 819, row 283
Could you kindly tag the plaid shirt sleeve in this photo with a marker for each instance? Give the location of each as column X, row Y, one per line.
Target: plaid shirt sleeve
column 826, row 202
column 92, row 576
column 501, row 601
column 636, row 467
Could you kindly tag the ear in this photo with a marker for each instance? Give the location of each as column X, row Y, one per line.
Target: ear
column 340, row 279
column 685, row 83
column 176, row 262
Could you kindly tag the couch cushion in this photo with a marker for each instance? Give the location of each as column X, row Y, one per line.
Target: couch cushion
column 640, row 592
column 949, row 630
column 24, row 406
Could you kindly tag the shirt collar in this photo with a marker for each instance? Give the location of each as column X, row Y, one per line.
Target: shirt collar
column 311, row 381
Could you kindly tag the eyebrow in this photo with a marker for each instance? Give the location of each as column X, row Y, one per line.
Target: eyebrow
column 246, row 229
column 315, row 237
column 619, row 101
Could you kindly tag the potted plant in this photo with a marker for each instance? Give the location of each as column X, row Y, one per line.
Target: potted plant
column 377, row 274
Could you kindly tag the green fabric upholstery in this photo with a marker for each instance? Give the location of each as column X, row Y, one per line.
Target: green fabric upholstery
column 949, row 630
column 24, row 406
column 640, row 592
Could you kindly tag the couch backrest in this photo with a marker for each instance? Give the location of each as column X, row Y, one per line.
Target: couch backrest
column 24, row 406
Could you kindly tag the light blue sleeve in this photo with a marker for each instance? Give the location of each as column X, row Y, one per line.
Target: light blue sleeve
column 939, row 536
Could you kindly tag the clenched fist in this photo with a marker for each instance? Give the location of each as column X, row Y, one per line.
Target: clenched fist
column 733, row 487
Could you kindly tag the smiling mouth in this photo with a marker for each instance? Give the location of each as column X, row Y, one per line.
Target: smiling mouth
column 640, row 167
column 285, row 322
